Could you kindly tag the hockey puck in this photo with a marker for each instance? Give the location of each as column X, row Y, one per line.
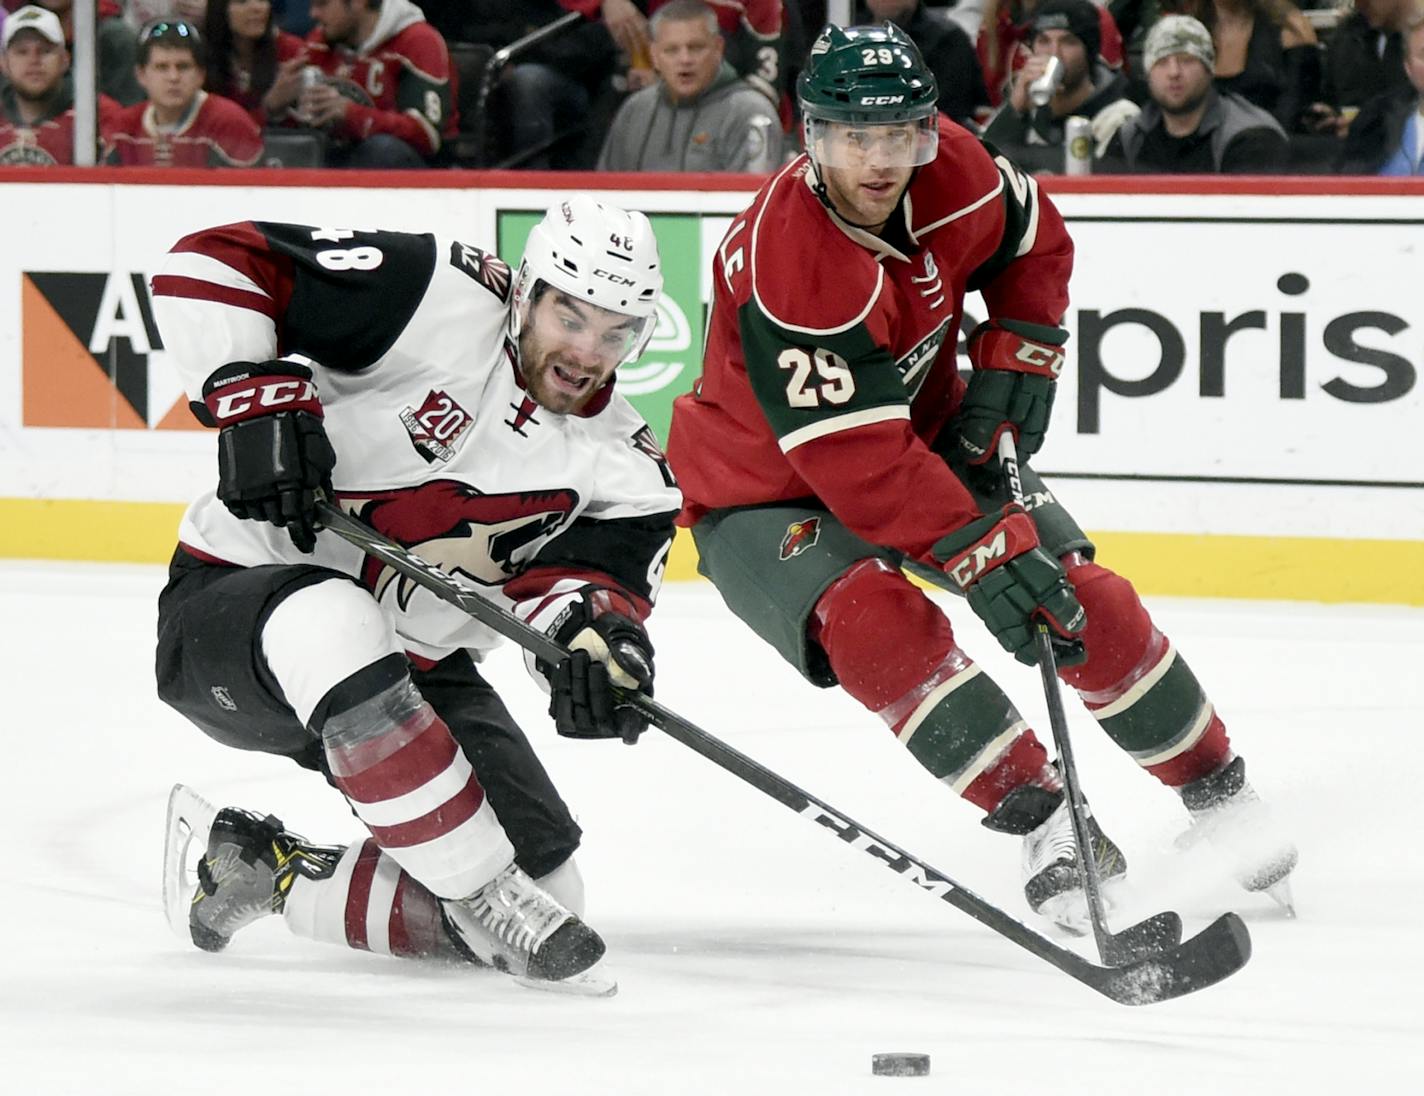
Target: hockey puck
column 900, row 1065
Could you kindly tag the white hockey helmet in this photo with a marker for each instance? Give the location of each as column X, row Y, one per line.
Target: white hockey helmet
column 595, row 253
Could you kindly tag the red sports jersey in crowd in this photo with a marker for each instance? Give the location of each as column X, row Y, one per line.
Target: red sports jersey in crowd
column 399, row 85
column 49, row 140
column 215, row 132
column 786, row 273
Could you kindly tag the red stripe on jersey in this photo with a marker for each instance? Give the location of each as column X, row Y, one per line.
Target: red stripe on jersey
column 358, row 895
column 443, row 820
column 242, row 247
column 172, row 285
column 1024, row 762
column 538, row 581
column 396, row 931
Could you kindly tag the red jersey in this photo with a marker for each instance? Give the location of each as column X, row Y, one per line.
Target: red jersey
column 215, row 132
column 830, row 366
column 400, row 86
column 50, row 140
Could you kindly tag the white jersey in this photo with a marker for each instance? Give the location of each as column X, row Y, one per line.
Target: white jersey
column 438, row 444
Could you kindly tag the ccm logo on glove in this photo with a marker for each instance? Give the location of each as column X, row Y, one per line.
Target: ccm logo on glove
column 1009, row 538
column 237, row 397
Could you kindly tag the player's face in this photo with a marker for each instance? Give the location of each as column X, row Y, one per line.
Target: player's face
column 35, row 65
column 568, row 349
column 686, row 54
column 171, row 78
column 248, row 18
column 873, row 169
column 1179, row 83
column 337, row 20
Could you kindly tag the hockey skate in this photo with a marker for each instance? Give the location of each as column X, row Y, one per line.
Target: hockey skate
column 242, row 871
column 1052, row 882
column 1227, row 813
column 515, row 926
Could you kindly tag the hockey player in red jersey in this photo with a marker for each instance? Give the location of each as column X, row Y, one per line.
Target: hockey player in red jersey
column 471, row 416
column 830, row 442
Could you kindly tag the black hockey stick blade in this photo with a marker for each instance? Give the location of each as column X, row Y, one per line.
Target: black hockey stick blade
column 1202, row 961
column 1158, row 934
column 1219, row 950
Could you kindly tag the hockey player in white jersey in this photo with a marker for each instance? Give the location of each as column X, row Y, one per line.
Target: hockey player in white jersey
column 472, row 417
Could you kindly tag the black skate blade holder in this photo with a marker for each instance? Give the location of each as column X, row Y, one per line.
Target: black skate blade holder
column 1157, row 934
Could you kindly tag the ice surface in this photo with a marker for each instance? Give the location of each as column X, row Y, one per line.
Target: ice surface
column 756, row 954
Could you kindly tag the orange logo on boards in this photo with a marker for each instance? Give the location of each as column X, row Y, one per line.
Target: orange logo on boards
column 88, row 355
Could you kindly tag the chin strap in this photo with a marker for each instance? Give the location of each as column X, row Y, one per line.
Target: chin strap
column 819, row 190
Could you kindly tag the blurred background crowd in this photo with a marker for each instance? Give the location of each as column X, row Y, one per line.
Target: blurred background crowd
column 1135, row 86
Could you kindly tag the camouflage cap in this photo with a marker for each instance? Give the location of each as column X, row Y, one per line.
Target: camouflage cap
column 1178, row 34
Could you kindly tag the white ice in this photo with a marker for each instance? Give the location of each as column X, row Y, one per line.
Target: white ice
column 756, row 953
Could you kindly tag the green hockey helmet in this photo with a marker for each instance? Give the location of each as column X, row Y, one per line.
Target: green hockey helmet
column 862, row 77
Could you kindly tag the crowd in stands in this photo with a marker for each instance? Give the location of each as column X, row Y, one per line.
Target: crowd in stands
column 1182, row 86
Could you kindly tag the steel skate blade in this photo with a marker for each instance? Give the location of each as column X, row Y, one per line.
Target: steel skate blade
column 190, row 818
column 1280, row 893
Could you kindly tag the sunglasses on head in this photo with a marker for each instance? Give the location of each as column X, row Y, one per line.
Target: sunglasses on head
column 169, row 29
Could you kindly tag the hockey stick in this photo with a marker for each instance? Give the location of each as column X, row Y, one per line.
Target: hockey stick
column 1219, row 950
column 1160, row 932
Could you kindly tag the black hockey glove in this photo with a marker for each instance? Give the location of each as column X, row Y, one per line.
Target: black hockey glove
column 609, row 647
column 273, row 454
column 1016, row 367
column 1013, row 584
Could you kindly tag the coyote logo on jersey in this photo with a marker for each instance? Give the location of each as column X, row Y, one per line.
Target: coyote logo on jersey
column 800, row 535
column 458, row 529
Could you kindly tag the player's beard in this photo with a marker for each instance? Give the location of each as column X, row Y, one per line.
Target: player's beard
column 535, row 366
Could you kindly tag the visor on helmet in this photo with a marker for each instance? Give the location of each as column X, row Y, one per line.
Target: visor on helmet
column 602, row 333
column 910, row 143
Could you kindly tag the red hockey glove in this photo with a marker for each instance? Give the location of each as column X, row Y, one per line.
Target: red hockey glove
column 1016, row 367
column 1012, row 583
column 273, row 453
column 608, row 647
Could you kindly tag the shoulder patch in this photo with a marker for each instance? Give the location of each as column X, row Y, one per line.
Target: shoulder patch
column 488, row 270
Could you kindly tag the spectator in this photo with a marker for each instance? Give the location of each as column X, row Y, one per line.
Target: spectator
column 1005, row 42
column 248, row 54
column 180, row 125
column 1266, row 52
column 947, row 51
column 139, row 13
column 1388, row 136
column 1068, row 30
column 550, row 108
column 115, row 44
column 385, row 99
column 1188, row 126
column 1365, row 59
column 753, row 30
column 37, row 104
column 700, row 115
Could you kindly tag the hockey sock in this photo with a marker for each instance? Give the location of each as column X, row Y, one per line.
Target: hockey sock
column 409, row 782
column 369, row 903
column 894, row 651
column 1139, row 689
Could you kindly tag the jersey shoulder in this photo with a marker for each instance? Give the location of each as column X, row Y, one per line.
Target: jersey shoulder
column 805, row 274
column 963, row 179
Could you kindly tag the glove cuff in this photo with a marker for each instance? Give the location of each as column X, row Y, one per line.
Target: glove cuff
column 971, row 552
column 240, row 391
column 1017, row 347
